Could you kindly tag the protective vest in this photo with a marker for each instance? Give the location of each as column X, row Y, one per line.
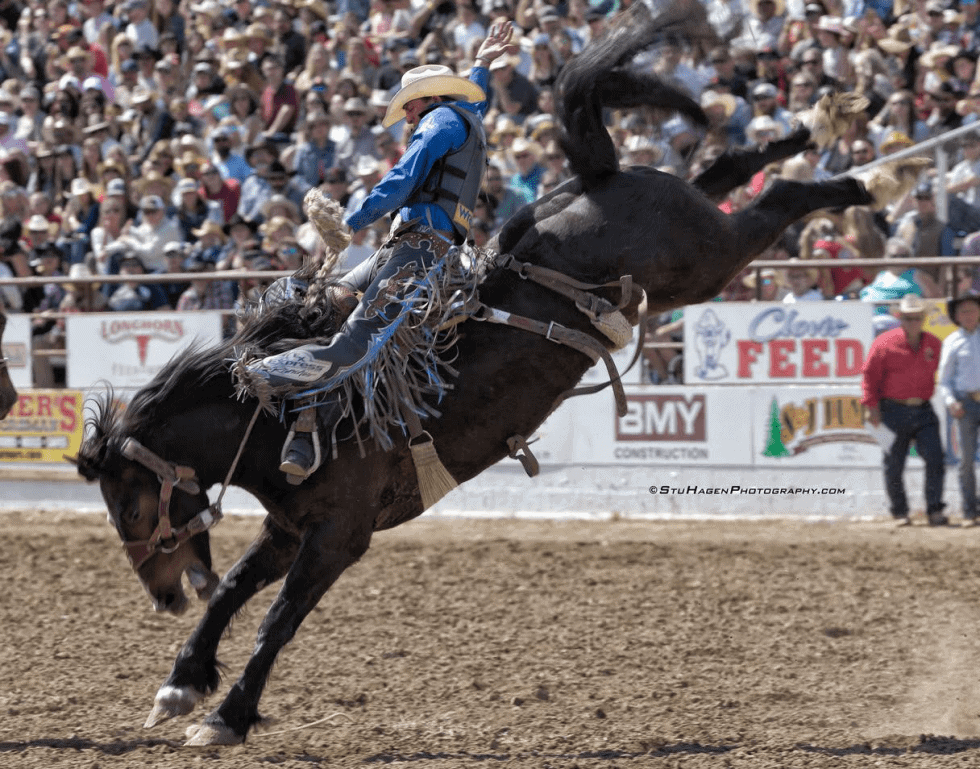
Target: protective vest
column 454, row 182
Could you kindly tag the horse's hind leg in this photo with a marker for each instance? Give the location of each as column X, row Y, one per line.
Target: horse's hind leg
column 757, row 226
column 327, row 550
column 736, row 166
column 195, row 671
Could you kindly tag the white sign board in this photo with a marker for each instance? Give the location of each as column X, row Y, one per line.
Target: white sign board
column 128, row 349
column 17, row 349
column 772, row 342
column 812, row 427
column 662, row 425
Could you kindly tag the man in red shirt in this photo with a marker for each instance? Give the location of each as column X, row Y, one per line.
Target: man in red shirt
column 898, row 381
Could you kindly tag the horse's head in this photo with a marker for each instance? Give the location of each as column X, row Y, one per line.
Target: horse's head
column 158, row 508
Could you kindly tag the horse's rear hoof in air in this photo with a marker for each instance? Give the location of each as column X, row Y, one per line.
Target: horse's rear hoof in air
column 181, row 433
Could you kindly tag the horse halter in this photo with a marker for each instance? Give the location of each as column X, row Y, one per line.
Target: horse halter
column 166, row 538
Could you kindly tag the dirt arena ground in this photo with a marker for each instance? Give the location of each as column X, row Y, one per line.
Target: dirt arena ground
column 524, row 644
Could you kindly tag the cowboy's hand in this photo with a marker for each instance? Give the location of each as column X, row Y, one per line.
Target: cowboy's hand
column 498, row 42
column 956, row 409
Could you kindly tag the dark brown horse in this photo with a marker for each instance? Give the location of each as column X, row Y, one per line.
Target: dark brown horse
column 8, row 395
column 667, row 234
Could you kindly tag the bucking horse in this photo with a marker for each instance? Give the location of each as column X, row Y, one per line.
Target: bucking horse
column 558, row 265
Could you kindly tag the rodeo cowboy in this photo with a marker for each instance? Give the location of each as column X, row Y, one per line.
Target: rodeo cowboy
column 433, row 187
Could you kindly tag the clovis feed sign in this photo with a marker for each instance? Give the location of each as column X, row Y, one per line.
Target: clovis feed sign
column 755, row 342
column 127, row 349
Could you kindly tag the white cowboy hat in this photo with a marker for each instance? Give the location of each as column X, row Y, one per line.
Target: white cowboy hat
column 430, row 80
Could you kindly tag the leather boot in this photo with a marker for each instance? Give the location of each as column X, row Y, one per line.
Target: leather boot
column 301, row 455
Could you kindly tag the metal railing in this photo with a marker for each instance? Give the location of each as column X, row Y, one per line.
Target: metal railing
column 953, row 264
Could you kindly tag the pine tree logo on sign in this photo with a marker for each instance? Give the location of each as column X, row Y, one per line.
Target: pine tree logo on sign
column 793, row 429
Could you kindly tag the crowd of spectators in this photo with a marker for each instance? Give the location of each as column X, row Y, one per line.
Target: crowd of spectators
column 160, row 136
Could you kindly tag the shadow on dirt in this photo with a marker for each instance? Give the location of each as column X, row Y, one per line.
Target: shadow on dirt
column 681, row 748
column 74, row 743
column 898, row 745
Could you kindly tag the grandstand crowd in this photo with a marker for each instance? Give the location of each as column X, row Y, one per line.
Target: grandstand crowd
column 153, row 136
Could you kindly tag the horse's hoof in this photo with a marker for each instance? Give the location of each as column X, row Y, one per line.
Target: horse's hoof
column 212, row 734
column 170, row 702
column 203, row 580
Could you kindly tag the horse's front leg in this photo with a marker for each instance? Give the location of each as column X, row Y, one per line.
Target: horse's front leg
column 195, row 671
column 328, row 549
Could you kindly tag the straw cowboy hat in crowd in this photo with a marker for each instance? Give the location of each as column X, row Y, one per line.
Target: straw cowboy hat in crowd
column 779, row 11
column 430, row 80
column 763, row 128
column 938, row 55
column 911, row 304
column 895, row 141
column 210, row 227
column 898, row 40
column 724, row 102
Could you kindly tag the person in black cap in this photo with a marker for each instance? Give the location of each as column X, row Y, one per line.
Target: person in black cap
column 959, row 385
column 337, row 184
column 943, row 116
column 928, row 234
column 274, row 180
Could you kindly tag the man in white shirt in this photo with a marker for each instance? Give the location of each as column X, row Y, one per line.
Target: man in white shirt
column 140, row 29
column 964, row 179
column 148, row 239
column 959, row 384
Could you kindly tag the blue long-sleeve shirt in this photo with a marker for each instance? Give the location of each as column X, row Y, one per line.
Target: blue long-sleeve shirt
column 959, row 365
column 440, row 132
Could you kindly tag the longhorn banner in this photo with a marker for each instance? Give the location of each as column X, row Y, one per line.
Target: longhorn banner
column 127, row 349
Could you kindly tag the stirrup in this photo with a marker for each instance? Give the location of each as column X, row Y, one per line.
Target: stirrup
column 289, row 468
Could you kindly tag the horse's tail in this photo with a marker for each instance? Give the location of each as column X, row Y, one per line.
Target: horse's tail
column 600, row 77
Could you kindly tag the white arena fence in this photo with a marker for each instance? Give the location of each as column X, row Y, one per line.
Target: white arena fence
column 768, row 422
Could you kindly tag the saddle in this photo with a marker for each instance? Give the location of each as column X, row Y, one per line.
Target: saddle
column 394, row 389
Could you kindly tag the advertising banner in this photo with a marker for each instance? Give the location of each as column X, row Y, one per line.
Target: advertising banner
column 128, row 349
column 42, row 426
column 662, row 425
column 17, row 350
column 812, row 426
column 760, row 342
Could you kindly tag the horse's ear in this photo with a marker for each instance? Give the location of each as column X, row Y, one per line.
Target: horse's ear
column 85, row 467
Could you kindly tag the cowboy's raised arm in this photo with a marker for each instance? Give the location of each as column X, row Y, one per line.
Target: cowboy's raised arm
column 497, row 43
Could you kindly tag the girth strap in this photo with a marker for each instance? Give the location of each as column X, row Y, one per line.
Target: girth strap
column 570, row 337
